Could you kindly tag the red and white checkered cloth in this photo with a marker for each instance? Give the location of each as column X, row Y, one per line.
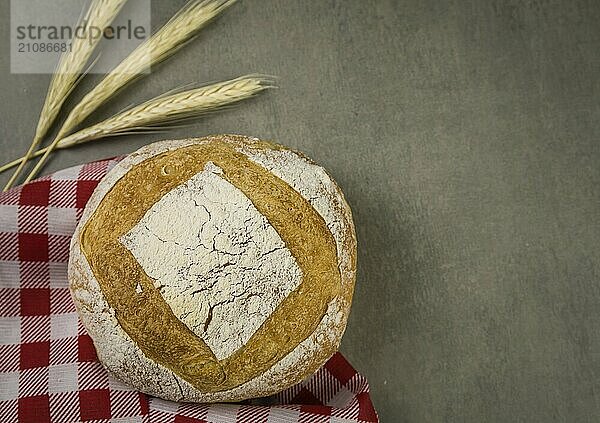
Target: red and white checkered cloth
column 48, row 365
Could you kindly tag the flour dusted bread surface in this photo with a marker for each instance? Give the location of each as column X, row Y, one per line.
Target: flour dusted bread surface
column 214, row 269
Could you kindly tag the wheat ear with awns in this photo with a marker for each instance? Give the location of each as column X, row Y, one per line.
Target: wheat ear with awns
column 68, row 71
column 174, row 107
column 166, row 109
column 164, row 43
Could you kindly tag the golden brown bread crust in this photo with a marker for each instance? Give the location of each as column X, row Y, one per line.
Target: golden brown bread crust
column 144, row 316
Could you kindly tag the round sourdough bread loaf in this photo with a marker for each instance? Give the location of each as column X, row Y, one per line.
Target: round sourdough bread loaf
column 214, row 269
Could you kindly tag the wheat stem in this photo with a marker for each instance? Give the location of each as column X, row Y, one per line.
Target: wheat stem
column 23, row 159
column 70, row 66
column 165, row 109
column 164, row 43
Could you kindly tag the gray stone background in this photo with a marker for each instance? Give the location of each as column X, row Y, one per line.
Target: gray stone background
column 466, row 137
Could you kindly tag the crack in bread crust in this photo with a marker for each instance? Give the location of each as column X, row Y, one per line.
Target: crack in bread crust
column 145, row 316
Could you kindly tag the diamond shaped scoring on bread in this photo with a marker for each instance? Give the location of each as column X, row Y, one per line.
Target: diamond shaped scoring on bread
column 217, row 262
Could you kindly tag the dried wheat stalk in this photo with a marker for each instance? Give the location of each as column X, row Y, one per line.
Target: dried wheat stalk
column 165, row 109
column 70, row 66
column 17, row 162
column 172, row 36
